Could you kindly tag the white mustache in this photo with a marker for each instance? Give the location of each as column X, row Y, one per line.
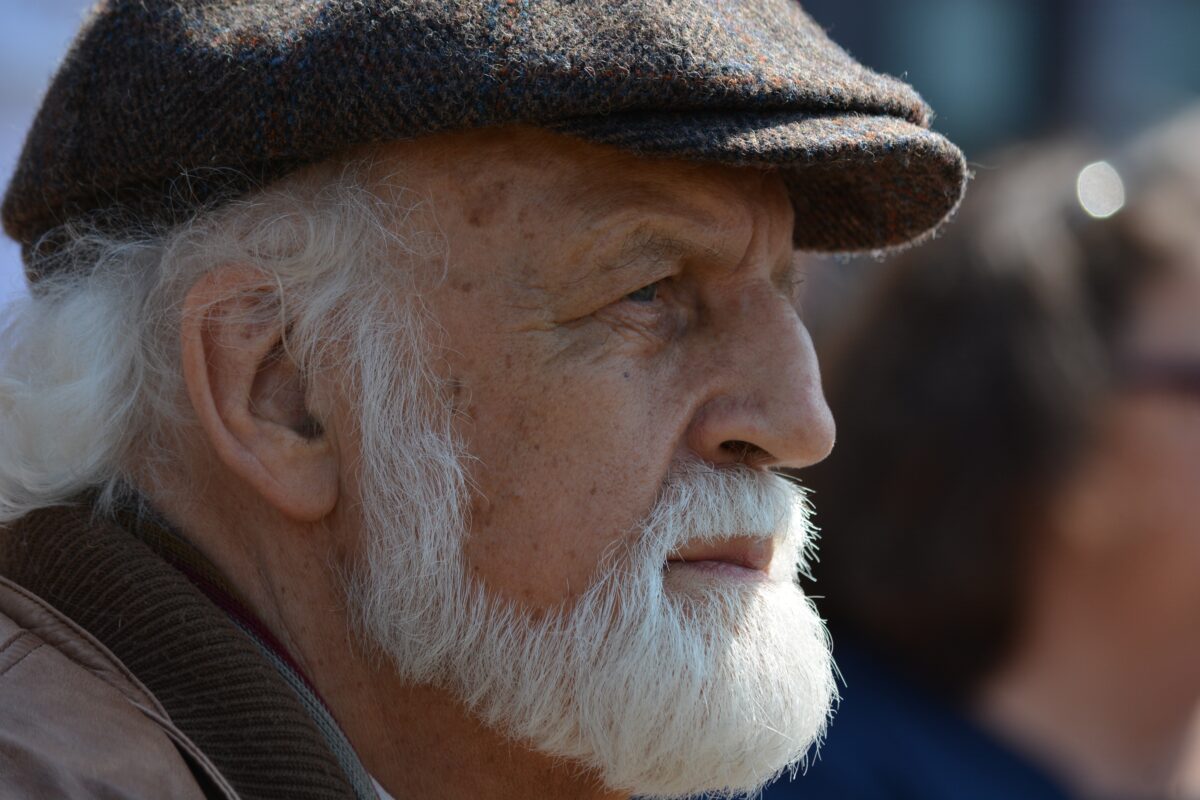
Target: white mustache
column 702, row 503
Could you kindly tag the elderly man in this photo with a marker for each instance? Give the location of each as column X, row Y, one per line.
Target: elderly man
column 397, row 406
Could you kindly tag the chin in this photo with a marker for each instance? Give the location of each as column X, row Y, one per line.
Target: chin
column 747, row 704
column 662, row 690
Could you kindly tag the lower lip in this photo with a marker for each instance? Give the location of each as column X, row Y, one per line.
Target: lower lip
column 721, row 570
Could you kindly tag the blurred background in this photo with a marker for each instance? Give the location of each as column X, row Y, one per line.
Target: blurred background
column 1000, row 70
column 1004, row 72
column 1010, row 552
column 34, row 35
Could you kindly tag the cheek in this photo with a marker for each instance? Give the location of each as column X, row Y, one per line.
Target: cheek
column 1163, row 485
column 1175, row 511
column 1169, row 476
column 565, row 465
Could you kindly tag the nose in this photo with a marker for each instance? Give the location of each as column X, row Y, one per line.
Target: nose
column 766, row 407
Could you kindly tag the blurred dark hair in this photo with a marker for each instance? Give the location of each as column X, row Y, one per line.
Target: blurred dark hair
column 964, row 394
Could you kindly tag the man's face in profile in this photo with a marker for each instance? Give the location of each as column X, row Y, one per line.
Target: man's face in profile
column 577, row 531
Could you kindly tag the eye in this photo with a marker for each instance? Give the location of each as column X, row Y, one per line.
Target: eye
column 646, row 294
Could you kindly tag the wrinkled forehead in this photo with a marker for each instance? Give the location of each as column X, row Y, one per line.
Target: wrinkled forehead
column 504, row 171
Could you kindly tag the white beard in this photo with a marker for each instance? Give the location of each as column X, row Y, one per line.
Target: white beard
column 662, row 691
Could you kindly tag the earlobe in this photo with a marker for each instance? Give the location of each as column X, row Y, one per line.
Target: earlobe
column 250, row 397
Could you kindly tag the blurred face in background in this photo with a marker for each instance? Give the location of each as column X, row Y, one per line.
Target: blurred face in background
column 1144, row 517
column 1116, row 598
column 1012, row 517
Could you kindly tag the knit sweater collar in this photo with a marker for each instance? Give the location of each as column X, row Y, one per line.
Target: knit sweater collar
column 138, row 588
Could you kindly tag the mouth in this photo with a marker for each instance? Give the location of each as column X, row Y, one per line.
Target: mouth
column 743, row 558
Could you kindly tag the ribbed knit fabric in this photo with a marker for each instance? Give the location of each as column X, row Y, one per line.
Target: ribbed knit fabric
column 164, row 105
column 169, row 543
column 335, row 738
column 214, row 682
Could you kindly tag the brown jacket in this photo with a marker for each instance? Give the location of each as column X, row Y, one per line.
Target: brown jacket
column 74, row 723
column 123, row 675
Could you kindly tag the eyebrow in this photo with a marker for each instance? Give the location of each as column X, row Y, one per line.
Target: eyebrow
column 645, row 245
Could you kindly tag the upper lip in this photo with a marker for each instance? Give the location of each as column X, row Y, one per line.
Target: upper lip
column 745, row 551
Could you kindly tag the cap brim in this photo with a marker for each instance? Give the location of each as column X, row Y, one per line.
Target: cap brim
column 858, row 182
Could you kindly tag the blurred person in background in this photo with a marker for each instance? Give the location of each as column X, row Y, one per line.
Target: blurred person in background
column 1011, row 517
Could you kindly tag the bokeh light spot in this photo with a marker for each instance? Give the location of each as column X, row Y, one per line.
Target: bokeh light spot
column 1101, row 190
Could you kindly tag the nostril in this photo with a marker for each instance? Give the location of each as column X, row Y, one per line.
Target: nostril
column 745, row 452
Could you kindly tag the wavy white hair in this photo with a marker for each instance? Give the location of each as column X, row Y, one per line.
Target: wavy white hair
column 90, row 384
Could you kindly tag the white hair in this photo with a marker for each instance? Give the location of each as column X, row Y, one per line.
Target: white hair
column 90, row 383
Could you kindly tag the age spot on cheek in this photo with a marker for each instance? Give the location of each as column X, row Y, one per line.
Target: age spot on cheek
column 481, row 511
column 457, row 390
column 483, row 213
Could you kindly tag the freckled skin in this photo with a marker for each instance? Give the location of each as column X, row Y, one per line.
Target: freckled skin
column 581, row 399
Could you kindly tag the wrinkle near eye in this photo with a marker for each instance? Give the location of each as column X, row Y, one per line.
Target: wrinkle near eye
column 790, row 278
column 644, row 327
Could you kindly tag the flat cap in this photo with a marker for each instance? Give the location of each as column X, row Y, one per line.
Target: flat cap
column 161, row 106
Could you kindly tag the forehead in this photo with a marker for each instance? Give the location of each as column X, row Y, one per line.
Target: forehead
column 518, row 175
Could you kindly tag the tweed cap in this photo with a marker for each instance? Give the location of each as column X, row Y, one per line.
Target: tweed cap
column 161, row 106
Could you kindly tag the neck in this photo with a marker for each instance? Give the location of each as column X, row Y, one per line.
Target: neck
column 1098, row 692
column 421, row 742
column 417, row 741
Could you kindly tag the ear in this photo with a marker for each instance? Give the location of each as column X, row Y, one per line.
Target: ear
column 250, row 397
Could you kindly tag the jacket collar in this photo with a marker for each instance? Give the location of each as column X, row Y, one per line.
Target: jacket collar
column 136, row 586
